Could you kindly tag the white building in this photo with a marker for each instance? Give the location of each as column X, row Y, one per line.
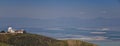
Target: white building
column 10, row 30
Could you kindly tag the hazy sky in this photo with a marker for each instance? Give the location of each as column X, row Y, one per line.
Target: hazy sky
column 46, row 9
column 80, row 13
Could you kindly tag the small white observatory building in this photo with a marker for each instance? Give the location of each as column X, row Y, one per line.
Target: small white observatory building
column 10, row 30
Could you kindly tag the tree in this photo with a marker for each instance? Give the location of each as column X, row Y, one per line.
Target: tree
column 24, row 31
column 2, row 31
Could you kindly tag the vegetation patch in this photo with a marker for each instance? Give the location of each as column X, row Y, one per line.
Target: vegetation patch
column 37, row 40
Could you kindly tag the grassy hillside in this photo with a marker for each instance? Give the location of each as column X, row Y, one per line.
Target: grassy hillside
column 37, row 40
column 4, row 44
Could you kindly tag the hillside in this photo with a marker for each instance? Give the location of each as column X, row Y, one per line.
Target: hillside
column 37, row 40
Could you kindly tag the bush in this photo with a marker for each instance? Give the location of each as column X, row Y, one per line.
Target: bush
column 2, row 31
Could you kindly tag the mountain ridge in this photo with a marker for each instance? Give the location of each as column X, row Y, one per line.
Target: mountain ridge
column 38, row 40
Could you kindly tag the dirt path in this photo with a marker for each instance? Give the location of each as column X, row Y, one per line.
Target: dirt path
column 73, row 43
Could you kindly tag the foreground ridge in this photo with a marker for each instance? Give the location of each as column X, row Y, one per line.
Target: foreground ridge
column 37, row 40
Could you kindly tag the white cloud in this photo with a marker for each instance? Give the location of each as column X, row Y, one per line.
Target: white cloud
column 105, row 29
column 55, row 28
column 102, row 29
column 79, row 37
column 98, row 32
column 61, row 36
column 98, row 38
column 86, row 28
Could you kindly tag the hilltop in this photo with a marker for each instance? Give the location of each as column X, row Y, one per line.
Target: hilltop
column 28, row 39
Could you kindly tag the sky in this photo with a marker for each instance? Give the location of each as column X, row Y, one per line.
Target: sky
column 64, row 19
column 60, row 13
